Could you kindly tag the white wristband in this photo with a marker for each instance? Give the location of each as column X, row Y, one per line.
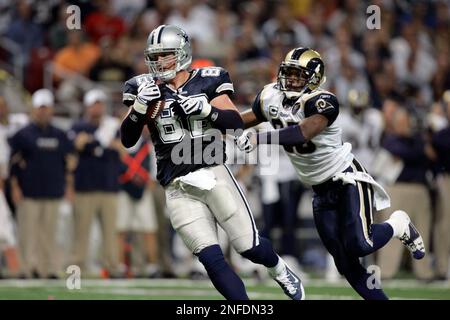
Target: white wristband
column 139, row 107
column 206, row 110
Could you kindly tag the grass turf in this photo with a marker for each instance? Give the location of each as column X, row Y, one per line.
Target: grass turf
column 180, row 289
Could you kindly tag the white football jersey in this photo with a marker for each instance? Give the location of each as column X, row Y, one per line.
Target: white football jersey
column 319, row 159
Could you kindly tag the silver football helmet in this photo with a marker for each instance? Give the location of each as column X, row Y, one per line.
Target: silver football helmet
column 168, row 51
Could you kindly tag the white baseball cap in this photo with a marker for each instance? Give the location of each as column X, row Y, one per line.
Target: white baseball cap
column 42, row 97
column 93, row 96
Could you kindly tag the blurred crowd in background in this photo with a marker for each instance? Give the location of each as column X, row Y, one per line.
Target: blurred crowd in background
column 393, row 85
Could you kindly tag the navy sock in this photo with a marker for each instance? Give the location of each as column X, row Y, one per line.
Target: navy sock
column 262, row 254
column 358, row 278
column 226, row 281
column 381, row 234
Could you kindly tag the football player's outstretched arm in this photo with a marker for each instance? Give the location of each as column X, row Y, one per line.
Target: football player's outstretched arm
column 223, row 102
column 224, row 114
column 313, row 125
column 250, row 119
column 307, row 129
column 320, row 113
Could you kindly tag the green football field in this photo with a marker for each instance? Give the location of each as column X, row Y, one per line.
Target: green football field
column 181, row 289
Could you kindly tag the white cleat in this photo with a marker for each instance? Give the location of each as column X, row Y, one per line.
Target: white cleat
column 410, row 236
column 290, row 283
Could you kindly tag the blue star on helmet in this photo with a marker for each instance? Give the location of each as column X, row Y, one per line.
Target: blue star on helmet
column 185, row 36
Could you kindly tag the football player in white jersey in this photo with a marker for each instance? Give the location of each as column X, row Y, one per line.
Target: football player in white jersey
column 303, row 116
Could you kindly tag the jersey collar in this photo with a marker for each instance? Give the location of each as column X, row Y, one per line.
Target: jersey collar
column 192, row 75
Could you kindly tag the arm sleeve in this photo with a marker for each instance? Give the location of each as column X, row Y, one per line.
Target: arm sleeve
column 325, row 104
column 131, row 128
column 225, row 119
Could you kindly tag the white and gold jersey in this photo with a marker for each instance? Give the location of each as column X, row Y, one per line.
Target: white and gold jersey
column 323, row 156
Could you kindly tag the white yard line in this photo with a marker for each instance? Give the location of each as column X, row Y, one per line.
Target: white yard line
column 206, row 283
column 202, row 293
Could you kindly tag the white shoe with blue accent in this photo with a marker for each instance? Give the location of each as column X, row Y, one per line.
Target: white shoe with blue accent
column 290, row 283
column 410, row 236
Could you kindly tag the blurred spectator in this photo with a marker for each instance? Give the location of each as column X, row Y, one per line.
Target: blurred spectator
column 57, row 34
column 441, row 146
column 409, row 192
column 9, row 125
column 284, row 30
column 128, row 10
column 361, row 125
column 320, row 40
column 109, row 67
column 342, row 53
column 14, row 93
column 280, row 196
column 413, row 63
column 134, row 43
column 6, row 13
column 136, row 214
column 441, row 79
column 40, row 154
column 156, row 15
column 23, row 31
column 71, row 65
column 164, row 234
column 46, row 12
column 77, row 56
column 198, row 20
column 383, row 87
column 352, row 14
column 104, row 23
column 221, row 41
column 7, row 234
column 248, row 42
column 96, row 179
column 349, row 78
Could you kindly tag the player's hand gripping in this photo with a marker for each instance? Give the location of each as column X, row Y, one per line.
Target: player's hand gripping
column 246, row 142
column 194, row 106
column 148, row 91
